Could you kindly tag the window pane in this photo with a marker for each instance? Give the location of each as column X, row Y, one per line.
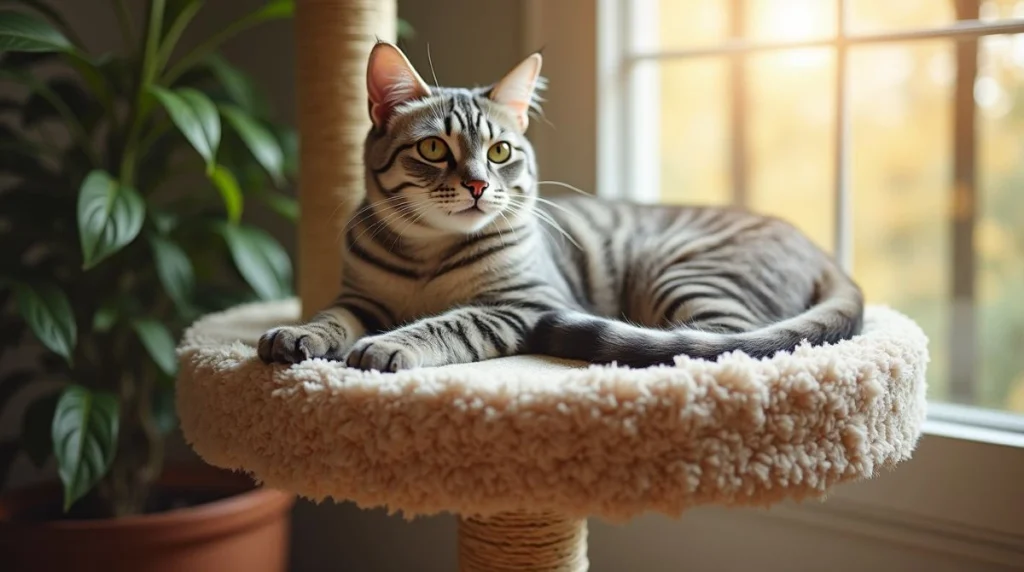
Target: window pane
column 866, row 16
column 961, row 281
column 901, row 110
column 704, row 23
column 690, row 24
column 791, row 113
column 788, row 20
column 694, row 132
column 999, row 234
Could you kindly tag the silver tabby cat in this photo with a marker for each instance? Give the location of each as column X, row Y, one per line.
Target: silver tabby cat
column 453, row 257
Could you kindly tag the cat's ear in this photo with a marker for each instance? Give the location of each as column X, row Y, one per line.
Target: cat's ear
column 516, row 89
column 391, row 81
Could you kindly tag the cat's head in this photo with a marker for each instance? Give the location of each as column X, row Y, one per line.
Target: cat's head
column 448, row 160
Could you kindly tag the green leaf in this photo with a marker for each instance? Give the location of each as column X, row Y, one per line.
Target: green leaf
column 196, row 117
column 289, row 139
column 263, row 263
column 157, row 340
column 51, row 14
column 275, row 9
column 259, row 140
column 40, row 7
column 118, row 73
column 21, row 32
column 163, row 221
column 238, row 86
column 47, row 311
column 179, row 14
column 405, row 30
column 229, row 191
column 105, row 317
column 36, row 432
column 109, row 217
column 174, row 269
column 283, row 205
column 84, row 433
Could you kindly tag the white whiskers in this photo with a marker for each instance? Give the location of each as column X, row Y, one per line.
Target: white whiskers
column 565, row 186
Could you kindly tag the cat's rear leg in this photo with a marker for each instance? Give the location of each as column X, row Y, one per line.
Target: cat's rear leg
column 698, row 298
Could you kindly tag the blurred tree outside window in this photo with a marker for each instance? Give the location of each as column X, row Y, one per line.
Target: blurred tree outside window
column 935, row 156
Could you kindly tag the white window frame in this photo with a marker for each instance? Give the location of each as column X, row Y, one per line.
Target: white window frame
column 968, row 470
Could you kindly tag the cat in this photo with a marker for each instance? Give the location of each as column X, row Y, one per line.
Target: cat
column 453, row 256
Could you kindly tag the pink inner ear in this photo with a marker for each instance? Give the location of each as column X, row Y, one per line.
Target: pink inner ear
column 391, row 81
column 515, row 90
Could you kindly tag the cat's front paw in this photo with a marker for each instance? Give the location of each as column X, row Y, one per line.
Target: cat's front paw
column 293, row 344
column 383, row 354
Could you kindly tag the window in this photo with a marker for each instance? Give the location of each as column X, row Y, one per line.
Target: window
column 616, row 123
column 891, row 132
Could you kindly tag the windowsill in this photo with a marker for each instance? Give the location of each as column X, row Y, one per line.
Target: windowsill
column 974, row 424
column 974, row 434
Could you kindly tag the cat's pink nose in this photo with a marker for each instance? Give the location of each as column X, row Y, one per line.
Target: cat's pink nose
column 476, row 188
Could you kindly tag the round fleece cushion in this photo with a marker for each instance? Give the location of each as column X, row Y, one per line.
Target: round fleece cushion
column 539, row 434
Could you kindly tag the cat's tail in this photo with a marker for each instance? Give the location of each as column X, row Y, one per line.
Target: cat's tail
column 836, row 314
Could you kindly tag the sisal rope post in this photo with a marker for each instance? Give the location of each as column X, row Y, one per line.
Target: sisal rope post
column 514, row 541
column 333, row 39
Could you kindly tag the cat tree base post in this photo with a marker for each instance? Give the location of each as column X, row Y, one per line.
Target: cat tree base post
column 512, row 541
column 332, row 40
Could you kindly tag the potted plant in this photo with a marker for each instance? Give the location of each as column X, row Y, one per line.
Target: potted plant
column 107, row 250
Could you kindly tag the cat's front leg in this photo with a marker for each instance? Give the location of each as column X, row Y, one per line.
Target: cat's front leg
column 329, row 335
column 461, row 335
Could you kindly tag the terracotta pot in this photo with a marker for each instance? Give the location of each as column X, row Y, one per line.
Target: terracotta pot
column 246, row 530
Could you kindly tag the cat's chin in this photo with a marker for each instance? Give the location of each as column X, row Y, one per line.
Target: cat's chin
column 470, row 222
column 466, row 221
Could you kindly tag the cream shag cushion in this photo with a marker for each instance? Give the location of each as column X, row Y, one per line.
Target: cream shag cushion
column 532, row 433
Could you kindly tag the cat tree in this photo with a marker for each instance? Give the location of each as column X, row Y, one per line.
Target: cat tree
column 524, row 449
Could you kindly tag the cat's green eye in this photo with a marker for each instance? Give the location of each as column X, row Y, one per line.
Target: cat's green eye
column 433, row 149
column 499, row 152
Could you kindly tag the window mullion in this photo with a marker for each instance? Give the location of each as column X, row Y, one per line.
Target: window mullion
column 738, row 160
column 963, row 269
column 843, row 209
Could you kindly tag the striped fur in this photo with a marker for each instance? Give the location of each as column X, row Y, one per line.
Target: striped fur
column 436, row 275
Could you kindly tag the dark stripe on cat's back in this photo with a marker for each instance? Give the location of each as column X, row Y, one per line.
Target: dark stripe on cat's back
column 576, row 257
column 684, row 298
column 751, row 290
column 514, row 288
